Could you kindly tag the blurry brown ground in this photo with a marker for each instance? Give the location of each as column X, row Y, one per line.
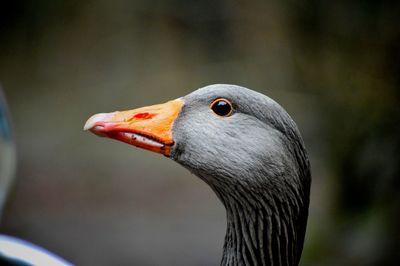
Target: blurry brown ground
column 334, row 65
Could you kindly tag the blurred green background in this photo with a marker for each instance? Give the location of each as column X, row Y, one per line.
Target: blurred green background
column 334, row 65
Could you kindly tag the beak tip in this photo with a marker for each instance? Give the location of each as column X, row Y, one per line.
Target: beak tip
column 94, row 119
column 90, row 123
column 87, row 126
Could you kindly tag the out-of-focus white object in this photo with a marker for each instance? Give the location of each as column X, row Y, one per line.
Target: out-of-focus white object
column 14, row 251
column 7, row 152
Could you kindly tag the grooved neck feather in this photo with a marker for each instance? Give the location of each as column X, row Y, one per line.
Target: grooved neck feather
column 263, row 229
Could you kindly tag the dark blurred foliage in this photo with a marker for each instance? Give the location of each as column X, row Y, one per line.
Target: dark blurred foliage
column 353, row 49
column 334, row 65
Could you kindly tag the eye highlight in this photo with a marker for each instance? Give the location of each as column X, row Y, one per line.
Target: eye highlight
column 222, row 107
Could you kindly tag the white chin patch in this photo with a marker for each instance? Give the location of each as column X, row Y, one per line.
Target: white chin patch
column 139, row 138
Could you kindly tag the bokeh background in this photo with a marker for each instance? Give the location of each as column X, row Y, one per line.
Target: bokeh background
column 334, row 65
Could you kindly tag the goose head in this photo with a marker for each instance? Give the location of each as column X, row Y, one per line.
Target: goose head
column 246, row 148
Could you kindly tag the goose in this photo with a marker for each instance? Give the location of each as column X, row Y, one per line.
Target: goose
column 247, row 148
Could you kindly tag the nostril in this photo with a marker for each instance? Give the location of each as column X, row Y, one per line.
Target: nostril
column 144, row 115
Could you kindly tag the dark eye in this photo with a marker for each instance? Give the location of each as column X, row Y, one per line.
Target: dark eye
column 222, row 107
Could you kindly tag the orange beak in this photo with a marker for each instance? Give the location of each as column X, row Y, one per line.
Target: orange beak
column 149, row 127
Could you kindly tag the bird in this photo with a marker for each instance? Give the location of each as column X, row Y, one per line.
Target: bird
column 247, row 148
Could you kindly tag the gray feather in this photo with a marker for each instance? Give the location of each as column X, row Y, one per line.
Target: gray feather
column 256, row 163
